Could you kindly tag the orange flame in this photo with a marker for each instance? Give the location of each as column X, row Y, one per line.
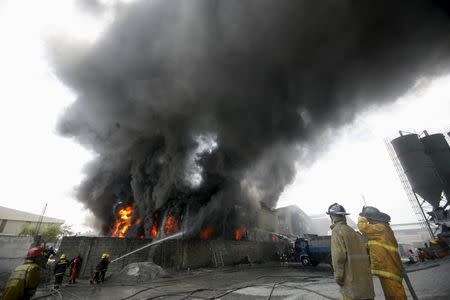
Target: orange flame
column 206, row 234
column 123, row 221
column 154, row 231
column 274, row 238
column 171, row 226
column 240, row 233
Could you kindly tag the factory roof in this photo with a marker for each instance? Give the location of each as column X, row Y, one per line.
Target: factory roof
column 18, row 215
column 411, row 226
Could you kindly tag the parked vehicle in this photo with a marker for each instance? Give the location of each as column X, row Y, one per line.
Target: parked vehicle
column 313, row 249
column 438, row 249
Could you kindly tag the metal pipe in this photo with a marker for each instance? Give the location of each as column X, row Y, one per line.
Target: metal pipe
column 41, row 218
column 409, row 285
column 430, row 231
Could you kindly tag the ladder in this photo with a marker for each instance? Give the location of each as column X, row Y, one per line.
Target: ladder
column 412, row 197
column 217, row 256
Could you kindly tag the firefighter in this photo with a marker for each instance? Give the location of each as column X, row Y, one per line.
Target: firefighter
column 60, row 269
column 383, row 247
column 421, row 255
column 23, row 282
column 411, row 257
column 49, row 252
column 349, row 256
column 100, row 269
column 75, row 267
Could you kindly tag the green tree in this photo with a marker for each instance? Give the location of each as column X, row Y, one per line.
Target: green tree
column 27, row 230
column 49, row 233
column 65, row 230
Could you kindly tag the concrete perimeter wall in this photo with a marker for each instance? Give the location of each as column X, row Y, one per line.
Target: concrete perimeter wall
column 92, row 248
column 13, row 250
column 176, row 254
column 212, row 253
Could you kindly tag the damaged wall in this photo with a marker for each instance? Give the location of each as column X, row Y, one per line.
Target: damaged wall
column 92, row 248
column 176, row 254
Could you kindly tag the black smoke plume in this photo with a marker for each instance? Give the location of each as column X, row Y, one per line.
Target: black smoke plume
column 207, row 103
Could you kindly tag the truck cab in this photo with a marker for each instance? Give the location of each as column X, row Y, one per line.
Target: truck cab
column 313, row 249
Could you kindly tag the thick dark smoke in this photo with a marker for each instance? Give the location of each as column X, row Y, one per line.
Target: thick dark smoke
column 233, row 90
column 91, row 6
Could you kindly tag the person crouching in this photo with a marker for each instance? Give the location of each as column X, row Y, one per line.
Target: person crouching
column 24, row 280
column 100, row 269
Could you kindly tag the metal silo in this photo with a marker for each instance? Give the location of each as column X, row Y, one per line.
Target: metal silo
column 419, row 168
column 438, row 150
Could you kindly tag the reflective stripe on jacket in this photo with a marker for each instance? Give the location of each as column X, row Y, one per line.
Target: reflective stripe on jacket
column 383, row 247
column 351, row 262
column 23, row 280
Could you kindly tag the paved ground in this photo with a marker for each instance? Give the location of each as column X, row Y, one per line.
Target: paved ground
column 252, row 282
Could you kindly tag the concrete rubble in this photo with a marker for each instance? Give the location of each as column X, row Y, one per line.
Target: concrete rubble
column 138, row 273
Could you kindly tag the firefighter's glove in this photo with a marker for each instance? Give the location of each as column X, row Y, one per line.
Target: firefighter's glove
column 362, row 220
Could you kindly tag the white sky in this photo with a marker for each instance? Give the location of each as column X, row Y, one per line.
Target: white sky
column 37, row 166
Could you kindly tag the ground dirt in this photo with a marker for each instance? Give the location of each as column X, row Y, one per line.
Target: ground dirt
column 268, row 281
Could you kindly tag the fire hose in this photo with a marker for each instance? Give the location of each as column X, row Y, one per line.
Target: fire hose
column 273, row 288
column 409, row 284
column 52, row 292
column 149, row 245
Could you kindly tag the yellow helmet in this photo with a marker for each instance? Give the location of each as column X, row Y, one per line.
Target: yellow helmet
column 105, row 255
column 63, row 256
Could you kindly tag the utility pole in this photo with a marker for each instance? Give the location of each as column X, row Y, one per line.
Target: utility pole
column 39, row 223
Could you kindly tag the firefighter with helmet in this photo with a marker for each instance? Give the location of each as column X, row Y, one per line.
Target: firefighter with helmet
column 100, row 269
column 383, row 247
column 24, row 280
column 349, row 257
column 60, row 270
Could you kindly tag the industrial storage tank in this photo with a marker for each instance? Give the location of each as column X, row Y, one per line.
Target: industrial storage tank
column 419, row 168
column 438, row 150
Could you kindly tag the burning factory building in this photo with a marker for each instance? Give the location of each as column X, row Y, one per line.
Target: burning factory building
column 268, row 223
column 263, row 240
column 198, row 111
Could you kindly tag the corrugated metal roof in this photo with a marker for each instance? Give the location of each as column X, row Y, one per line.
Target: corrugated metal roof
column 18, row 215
